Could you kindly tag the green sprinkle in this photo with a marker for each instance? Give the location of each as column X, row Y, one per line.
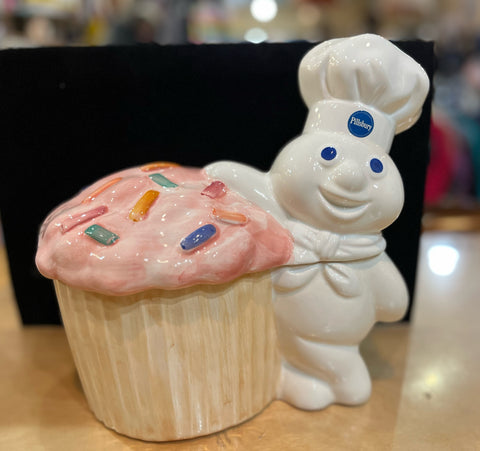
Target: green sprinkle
column 101, row 234
column 162, row 181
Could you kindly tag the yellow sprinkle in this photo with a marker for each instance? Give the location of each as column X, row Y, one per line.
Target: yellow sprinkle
column 138, row 212
column 101, row 189
column 158, row 165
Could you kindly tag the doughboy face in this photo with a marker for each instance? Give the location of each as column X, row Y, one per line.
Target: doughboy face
column 335, row 182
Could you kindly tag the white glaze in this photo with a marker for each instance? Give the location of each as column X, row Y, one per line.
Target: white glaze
column 341, row 281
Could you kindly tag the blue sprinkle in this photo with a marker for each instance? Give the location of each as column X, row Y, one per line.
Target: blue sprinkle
column 101, row 234
column 162, row 181
column 198, row 237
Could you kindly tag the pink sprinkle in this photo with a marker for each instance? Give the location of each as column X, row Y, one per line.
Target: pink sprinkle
column 215, row 190
column 70, row 222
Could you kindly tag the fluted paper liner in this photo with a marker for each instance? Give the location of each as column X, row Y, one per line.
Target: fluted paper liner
column 166, row 365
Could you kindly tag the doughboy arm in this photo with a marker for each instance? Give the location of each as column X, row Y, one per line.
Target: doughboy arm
column 249, row 182
column 392, row 295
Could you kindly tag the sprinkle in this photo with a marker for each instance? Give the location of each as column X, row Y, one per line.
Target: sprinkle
column 162, row 181
column 215, row 190
column 138, row 212
column 231, row 217
column 101, row 235
column 101, row 189
column 198, row 237
column 79, row 218
column 158, row 165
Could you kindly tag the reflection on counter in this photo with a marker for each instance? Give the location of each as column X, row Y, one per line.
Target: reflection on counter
column 442, row 259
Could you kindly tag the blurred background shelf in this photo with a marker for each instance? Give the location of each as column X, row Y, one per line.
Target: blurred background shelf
column 452, row 219
column 453, row 181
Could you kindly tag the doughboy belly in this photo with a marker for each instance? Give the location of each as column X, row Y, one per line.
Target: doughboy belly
column 328, row 303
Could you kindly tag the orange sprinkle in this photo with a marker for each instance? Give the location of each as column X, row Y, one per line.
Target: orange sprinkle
column 101, row 189
column 230, row 217
column 158, row 165
column 138, row 212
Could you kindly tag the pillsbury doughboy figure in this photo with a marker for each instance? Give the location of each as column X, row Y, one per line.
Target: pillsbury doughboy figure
column 336, row 188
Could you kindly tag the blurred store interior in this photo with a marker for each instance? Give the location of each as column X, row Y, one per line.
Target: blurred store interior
column 452, row 196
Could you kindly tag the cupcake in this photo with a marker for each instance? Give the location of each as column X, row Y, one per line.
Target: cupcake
column 162, row 276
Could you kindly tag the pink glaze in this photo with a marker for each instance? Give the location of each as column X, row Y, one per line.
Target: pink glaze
column 80, row 218
column 148, row 253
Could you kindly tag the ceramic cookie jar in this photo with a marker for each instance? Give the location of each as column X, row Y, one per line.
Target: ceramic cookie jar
column 192, row 298
column 335, row 188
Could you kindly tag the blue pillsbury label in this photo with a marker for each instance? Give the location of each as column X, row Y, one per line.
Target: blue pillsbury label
column 360, row 124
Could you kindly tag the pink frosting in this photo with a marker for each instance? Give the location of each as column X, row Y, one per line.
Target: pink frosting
column 147, row 253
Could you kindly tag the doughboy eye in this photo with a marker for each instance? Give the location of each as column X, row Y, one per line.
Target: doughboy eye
column 376, row 165
column 329, row 153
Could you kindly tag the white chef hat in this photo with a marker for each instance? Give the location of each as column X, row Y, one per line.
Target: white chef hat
column 363, row 86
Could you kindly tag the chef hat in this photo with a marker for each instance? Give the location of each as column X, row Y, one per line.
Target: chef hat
column 363, row 86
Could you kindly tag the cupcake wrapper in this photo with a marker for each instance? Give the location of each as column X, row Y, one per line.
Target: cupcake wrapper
column 166, row 365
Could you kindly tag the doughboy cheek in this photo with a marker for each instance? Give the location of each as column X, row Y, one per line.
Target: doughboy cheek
column 386, row 200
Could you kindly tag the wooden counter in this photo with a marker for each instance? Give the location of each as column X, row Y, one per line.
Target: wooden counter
column 426, row 380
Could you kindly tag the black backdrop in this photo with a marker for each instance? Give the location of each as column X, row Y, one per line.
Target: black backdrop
column 69, row 116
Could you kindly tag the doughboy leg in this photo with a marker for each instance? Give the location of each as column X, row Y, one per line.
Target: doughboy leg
column 315, row 375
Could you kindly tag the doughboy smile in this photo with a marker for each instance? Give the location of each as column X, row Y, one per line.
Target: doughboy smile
column 341, row 206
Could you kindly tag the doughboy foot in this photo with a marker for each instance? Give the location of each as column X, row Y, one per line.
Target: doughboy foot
column 303, row 391
column 356, row 387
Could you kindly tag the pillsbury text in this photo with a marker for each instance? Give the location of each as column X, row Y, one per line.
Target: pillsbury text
column 360, row 123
